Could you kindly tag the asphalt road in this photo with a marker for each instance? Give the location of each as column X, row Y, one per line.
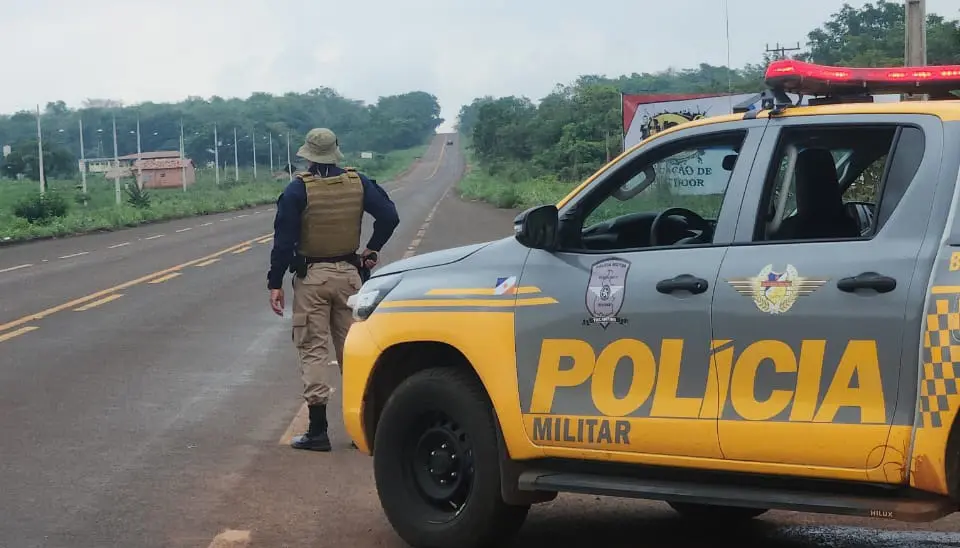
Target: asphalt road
column 147, row 393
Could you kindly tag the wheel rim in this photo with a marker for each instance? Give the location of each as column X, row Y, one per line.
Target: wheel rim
column 439, row 459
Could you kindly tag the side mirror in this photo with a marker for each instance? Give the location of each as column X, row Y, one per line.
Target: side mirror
column 537, row 227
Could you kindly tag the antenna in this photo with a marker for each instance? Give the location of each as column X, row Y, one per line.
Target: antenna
column 726, row 15
column 781, row 51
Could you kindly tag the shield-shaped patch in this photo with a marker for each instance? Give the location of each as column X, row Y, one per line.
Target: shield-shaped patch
column 605, row 290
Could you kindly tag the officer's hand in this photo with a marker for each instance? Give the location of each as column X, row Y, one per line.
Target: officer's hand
column 370, row 258
column 276, row 301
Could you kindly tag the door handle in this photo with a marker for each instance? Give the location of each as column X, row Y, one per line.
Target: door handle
column 867, row 280
column 683, row 282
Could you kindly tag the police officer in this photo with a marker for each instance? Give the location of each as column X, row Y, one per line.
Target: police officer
column 317, row 234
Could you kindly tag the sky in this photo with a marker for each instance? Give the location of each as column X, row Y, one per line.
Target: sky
column 166, row 50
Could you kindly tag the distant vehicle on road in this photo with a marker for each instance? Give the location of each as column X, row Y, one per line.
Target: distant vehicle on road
column 449, row 141
column 741, row 313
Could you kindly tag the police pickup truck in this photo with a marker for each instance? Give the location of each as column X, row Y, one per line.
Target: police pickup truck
column 786, row 336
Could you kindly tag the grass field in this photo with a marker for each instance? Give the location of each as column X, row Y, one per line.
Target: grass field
column 204, row 197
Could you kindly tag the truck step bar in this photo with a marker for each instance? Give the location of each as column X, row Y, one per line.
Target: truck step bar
column 901, row 505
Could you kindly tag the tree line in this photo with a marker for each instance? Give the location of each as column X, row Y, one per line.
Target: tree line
column 575, row 129
column 392, row 123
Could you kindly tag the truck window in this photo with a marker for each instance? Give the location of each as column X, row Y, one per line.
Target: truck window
column 830, row 182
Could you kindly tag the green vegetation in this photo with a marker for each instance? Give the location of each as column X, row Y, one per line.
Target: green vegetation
column 526, row 154
column 393, row 123
column 64, row 210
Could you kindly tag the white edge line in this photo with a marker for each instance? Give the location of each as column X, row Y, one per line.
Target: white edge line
column 206, row 224
column 119, row 245
column 74, row 255
column 155, row 237
column 18, row 267
column 185, row 229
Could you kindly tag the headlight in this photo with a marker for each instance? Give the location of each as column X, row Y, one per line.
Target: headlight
column 370, row 295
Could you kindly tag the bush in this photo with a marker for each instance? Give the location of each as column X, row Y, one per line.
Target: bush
column 41, row 208
column 137, row 197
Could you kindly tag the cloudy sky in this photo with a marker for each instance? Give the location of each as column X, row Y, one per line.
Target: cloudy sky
column 165, row 50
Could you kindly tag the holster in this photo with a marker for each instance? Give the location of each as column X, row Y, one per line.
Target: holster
column 299, row 266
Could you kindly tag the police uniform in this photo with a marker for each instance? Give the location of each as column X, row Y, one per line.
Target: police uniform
column 318, row 223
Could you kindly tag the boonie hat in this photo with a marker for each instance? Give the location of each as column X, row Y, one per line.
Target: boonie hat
column 321, row 146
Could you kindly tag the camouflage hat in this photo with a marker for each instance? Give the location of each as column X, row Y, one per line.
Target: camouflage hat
column 321, row 146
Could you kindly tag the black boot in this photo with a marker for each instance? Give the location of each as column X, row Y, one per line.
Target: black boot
column 315, row 439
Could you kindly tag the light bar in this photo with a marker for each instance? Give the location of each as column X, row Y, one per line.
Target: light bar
column 809, row 79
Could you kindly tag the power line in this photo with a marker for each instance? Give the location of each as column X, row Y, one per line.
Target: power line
column 781, row 51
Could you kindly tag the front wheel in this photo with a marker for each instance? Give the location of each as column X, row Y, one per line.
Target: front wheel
column 709, row 512
column 437, row 466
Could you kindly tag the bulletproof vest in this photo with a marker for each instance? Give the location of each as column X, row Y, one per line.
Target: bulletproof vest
column 330, row 224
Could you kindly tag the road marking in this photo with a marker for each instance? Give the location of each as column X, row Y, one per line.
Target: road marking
column 242, row 216
column 207, row 224
column 271, row 209
column 184, row 229
column 297, row 426
column 265, row 240
column 207, row 263
column 97, row 303
column 439, row 161
column 224, row 220
column 17, row 333
column 119, row 245
column 412, row 248
column 74, row 255
column 230, row 538
column 154, row 237
column 18, row 267
column 81, row 300
column 241, row 250
column 162, row 279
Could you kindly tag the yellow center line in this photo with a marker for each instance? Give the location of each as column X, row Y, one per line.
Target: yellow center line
column 242, row 249
column 207, row 263
column 17, row 333
column 109, row 290
column 439, row 161
column 162, row 279
column 231, row 538
column 97, row 303
column 266, row 240
column 297, row 426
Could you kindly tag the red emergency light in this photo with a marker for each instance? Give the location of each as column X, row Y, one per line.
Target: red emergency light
column 810, row 79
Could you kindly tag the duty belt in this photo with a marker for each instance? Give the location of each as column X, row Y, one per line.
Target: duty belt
column 351, row 258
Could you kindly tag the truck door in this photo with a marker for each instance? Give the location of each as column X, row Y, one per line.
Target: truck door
column 620, row 363
column 816, row 318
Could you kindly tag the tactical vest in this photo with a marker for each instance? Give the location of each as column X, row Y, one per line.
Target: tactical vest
column 331, row 221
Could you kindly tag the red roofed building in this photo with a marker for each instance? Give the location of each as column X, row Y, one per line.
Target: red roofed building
column 162, row 169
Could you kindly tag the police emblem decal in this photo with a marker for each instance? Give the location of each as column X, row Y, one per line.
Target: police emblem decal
column 776, row 292
column 605, row 292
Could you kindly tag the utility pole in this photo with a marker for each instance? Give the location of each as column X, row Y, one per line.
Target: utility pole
column 236, row 160
column 253, row 138
column 781, row 51
column 83, row 165
column 216, row 154
column 915, row 41
column 271, row 154
column 43, row 182
column 116, row 162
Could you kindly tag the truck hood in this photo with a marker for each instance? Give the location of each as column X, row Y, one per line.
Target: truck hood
column 428, row 260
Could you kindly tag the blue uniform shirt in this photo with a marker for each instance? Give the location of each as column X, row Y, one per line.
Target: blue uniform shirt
column 290, row 206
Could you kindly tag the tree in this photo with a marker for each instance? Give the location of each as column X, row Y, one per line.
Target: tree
column 394, row 122
column 24, row 159
column 575, row 128
column 873, row 36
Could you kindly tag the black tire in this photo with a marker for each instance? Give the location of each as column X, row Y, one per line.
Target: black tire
column 442, row 404
column 710, row 512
